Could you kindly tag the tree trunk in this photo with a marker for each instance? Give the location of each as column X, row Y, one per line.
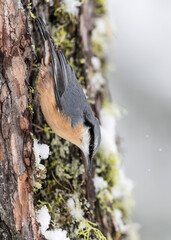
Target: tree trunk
column 17, row 216
column 20, row 117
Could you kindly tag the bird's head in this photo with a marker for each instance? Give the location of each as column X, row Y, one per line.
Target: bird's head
column 91, row 138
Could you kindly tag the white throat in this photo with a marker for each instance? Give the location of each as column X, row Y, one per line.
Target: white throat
column 85, row 141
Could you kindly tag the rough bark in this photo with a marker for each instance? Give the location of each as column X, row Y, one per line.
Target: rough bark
column 17, row 216
column 86, row 27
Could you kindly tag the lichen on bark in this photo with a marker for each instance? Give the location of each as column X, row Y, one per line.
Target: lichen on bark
column 66, row 185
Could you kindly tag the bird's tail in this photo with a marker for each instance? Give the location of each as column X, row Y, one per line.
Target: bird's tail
column 89, row 163
column 51, row 57
column 42, row 27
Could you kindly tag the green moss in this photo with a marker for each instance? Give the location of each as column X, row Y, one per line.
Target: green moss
column 47, row 129
column 30, row 100
column 87, row 227
column 113, row 108
column 107, row 166
column 30, row 107
column 100, row 8
column 65, row 29
column 98, row 49
column 64, row 177
column 30, row 10
column 125, row 205
column 37, row 186
column 31, row 89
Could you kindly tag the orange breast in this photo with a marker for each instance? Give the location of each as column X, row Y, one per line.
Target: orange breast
column 59, row 123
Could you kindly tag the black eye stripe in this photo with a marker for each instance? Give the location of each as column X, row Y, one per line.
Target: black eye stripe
column 92, row 137
column 91, row 146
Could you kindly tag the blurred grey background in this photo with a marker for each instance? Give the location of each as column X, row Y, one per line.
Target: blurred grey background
column 141, row 53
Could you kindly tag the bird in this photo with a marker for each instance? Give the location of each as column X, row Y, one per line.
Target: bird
column 63, row 102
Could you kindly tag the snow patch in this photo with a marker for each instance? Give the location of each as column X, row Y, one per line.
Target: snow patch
column 118, row 218
column 95, row 61
column 75, row 210
column 44, row 218
column 101, row 26
column 98, row 80
column 99, row 32
column 72, row 6
column 99, row 183
column 41, row 151
column 57, row 234
column 108, row 132
column 124, row 186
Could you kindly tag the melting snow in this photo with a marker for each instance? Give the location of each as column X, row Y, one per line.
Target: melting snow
column 44, row 218
column 72, row 6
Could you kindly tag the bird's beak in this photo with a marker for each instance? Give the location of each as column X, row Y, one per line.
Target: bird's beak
column 89, row 164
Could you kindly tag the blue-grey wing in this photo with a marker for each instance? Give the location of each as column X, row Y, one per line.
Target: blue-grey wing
column 72, row 98
column 74, row 102
column 61, row 71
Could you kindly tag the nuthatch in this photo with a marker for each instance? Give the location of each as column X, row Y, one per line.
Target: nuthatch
column 63, row 102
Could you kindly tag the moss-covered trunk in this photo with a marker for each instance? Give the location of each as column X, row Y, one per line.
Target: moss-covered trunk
column 17, row 216
column 60, row 182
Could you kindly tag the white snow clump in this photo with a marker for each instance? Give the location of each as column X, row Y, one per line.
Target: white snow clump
column 44, row 218
column 72, row 6
column 99, row 183
column 118, row 218
column 57, row 234
column 124, row 186
column 98, row 80
column 95, row 61
column 75, row 210
column 101, row 26
column 41, row 151
column 108, row 131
